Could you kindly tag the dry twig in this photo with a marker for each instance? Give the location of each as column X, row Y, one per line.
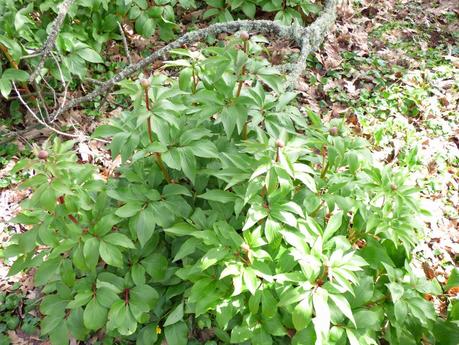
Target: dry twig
column 126, row 47
column 49, row 44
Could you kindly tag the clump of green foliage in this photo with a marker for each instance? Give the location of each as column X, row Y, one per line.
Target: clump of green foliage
column 10, row 316
column 233, row 218
column 286, row 11
column 24, row 28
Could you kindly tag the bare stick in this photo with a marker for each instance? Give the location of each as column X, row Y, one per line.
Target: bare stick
column 63, row 82
column 312, row 39
column 80, row 136
column 24, row 103
column 126, row 47
column 51, row 40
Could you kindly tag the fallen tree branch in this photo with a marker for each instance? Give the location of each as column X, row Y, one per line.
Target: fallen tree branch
column 49, row 44
column 263, row 26
column 312, row 39
column 308, row 39
column 37, row 118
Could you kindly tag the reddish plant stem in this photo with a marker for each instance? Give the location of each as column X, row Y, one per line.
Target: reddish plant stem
column 126, row 296
column 72, row 218
column 244, row 132
column 147, row 104
column 158, row 158
column 195, row 81
column 241, row 82
column 239, row 89
column 162, row 167
column 14, row 64
column 278, row 154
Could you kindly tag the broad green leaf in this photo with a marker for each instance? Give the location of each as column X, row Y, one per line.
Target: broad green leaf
column 94, row 315
column 145, row 225
column 176, row 334
column 15, row 74
column 156, row 266
column 453, row 280
column 218, row 195
column 301, row 315
column 396, row 291
column 343, row 305
column 254, row 302
column 143, row 296
column 80, row 299
column 261, row 337
column 91, row 252
column 103, row 131
column 105, row 224
column 366, row 319
column 129, row 209
column 47, row 272
column 212, row 257
column 353, row 340
column 322, row 312
column 119, row 239
column 50, row 322
column 240, row 334
column 272, row 229
column 60, row 335
column 333, row 225
column 250, row 280
column 138, row 274
column 175, row 315
column 255, row 214
column 90, row 55
column 5, row 87
column 106, row 297
column 181, row 229
column 204, row 148
column 268, row 304
column 147, row 335
column 111, row 254
column 188, row 164
column 188, row 247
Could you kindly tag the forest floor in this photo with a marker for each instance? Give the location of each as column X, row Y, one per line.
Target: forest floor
column 390, row 69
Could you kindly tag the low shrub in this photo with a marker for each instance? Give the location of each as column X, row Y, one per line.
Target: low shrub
column 233, row 218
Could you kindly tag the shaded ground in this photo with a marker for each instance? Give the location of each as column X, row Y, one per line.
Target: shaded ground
column 390, row 69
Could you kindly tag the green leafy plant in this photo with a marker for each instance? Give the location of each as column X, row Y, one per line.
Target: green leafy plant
column 234, row 218
column 15, row 313
column 286, row 11
column 24, row 26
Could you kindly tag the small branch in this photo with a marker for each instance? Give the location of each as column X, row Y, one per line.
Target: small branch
column 162, row 167
column 158, row 158
column 24, row 103
column 40, row 121
column 63, row 82
column 95, row 81
column 49, row 44
column 147, row 105
column 126, row 47
column 8, row 56
column 312, row 39
column 241, row 81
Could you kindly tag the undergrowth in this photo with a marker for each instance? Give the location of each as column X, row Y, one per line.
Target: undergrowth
column 233, row 218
